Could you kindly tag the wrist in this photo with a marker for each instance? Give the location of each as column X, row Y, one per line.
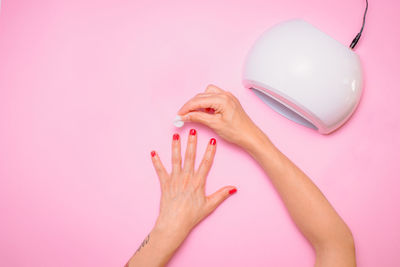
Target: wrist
column 172, row 235
column 164, row 244
column 255, row 141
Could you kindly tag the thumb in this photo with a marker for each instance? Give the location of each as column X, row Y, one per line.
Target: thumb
column 215, row 199
column 200, row 117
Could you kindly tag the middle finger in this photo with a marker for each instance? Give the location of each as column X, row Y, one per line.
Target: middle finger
column 190, row 154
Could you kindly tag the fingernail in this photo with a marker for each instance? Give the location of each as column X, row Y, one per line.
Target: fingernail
column 176, row 137
column 153, row 153
column 232, row 191
column 192, row 132
column 213, row 141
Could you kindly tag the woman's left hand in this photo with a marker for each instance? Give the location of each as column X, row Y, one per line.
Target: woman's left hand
column 183, row 201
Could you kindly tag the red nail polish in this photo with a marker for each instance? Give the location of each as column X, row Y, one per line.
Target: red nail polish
column 232, row 191
column 213, row 141
column 176, row 137
column 192, row 132
column 153, row 153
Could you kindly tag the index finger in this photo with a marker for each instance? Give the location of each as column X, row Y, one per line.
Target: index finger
column 196, row 103
column 213, row 89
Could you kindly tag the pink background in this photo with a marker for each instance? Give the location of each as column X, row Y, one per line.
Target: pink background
column 89, row 87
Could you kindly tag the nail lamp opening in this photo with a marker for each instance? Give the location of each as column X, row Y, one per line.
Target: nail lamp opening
column 305, row 75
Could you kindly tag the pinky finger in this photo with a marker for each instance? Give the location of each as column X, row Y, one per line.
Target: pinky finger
column 158, row 166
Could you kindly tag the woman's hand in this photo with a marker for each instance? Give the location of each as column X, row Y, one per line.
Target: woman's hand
column 222, row 112
column 183, row 202
column 312, row 213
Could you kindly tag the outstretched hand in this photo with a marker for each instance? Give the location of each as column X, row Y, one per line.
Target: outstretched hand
column 183, row 201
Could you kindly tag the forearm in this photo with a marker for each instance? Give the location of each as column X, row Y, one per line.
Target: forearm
column 309, row 209
column 156, row 249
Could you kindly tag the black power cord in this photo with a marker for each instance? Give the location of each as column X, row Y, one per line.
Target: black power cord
column 355, row 40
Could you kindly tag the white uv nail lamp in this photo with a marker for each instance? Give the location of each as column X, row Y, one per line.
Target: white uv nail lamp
column 305, row 75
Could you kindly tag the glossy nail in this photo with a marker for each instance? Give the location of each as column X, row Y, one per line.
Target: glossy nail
column 213, row 141
column 153, row 153
column 176, row 137
column 232, row 191
column 192, row 132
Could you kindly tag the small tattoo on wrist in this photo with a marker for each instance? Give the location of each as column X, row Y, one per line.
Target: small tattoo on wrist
column 145, row 241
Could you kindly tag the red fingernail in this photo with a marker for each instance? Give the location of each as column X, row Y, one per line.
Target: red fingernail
column 192, row 132
column 176, row 137
column 232, row 191
column 153, row 153
column 213, row 141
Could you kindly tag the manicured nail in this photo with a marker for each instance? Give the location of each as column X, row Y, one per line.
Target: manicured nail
column 176, row 137
column 153, row 153
column 232, row 191
column 192, row 132
column 213, row 141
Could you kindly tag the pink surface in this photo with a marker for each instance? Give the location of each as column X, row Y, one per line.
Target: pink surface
column 88, row 88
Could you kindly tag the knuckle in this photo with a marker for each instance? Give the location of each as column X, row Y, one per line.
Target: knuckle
column 212, row 88
column 190, row 156
column 199, row 117
column 186, row 181
column 231, row 104
column 189, row 116
column 196, row 116
column 207, row 161
column 176, row 156
column 178, row 161
column 215, row 123
column 164, row 187
column 186, row 175
column 225, row 96
column 224, row 100
column 158, row 169
column 191, row 142
column 197, row 185
column 208, row 157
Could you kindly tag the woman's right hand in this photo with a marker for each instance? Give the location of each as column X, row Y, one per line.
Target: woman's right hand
column 221, row 111
column 328, row 233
